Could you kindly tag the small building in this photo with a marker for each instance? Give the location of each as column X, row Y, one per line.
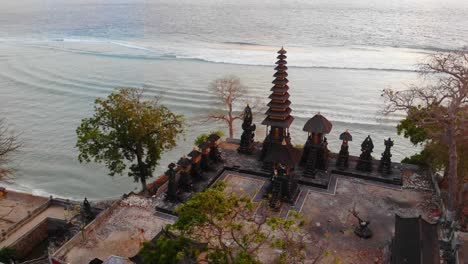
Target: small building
column 415, row 241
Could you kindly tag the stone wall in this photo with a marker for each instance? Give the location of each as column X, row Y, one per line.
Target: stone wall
column 25, row 220
column 91, row 227
column 27, row 242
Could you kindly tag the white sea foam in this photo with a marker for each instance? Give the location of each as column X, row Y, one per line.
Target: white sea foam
column 353, row 57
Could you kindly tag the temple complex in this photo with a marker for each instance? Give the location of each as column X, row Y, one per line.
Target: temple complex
column 321, row 185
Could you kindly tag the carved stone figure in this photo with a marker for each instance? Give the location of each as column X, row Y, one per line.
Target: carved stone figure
column 247, row 137
column 87, row 212
column 185, row 181
column 365, row 159
column 385, row 165
column 343, row 156
column 172, row 184
column 362, row 230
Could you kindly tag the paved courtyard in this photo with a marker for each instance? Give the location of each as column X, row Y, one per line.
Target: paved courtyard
column 123, row 232
column 15, row 206
column 329, row 221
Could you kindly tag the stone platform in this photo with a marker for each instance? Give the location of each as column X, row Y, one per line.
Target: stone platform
column 242, row 169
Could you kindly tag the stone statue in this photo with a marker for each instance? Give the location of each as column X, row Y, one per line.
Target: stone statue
column 385, row 165
column 362, row 230
column 247, row 137
column 87, row 212
column 343, row 156
column 185, row 181
column 365, row 159
column 172, row 184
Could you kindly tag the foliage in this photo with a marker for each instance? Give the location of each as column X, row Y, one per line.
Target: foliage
column 410, row 129
column 125, row 129
column 234, row 228
column 204, row 136
column 8, row 145
column 434, row 154
column 438, row 111
column 169, row 250
column 201, row 138
column 6, row 254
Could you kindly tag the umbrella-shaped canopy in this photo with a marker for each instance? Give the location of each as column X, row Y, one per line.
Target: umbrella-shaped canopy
column 318, row 124
column 213, row 137
column 184, row 162
column 346, row 136
column 204, row 145
column 282, row 153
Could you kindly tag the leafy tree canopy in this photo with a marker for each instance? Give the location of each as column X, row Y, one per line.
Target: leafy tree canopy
column 234, row 228
column 126, row 129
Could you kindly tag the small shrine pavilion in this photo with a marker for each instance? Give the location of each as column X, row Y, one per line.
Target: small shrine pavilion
column 315, row 154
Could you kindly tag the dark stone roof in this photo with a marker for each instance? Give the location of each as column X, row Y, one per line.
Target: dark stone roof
column 204, row 145
column 318, row 124
column 282, row 51
column 279, row 88
column 281, row 57
column 213, row 137
column 184, row 162
column 194, row 153
column 279, row 105
column 280, row 81
column 415, row 241
column 278, row 123
column 281, row 62
column 280, row 74
column 282, row 153
column 283, row 97
column 277, row 113
column 346, row 136
column 281, row 68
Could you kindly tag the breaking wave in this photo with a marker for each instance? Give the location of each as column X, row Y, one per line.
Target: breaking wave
column 242, row 53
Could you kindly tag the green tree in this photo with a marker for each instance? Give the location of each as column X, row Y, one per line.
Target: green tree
column 234, row 228
column 127, row 130
column 8, row 254
column 168, row 249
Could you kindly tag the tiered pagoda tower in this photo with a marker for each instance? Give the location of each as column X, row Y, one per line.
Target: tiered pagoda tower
column 278, row 155
column 279, row 116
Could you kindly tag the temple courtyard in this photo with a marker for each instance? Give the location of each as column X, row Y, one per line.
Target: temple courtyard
column 329, row 220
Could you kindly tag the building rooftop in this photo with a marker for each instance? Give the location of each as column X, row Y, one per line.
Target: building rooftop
column 120, row 230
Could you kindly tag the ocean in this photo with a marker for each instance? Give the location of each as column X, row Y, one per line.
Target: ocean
column 57, row 57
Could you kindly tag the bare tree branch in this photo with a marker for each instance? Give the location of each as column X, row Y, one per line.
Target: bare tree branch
column 9, row 143
column 231, row 96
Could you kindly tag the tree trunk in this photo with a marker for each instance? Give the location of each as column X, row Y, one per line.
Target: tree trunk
column 141, row 168
column 231, row 129
column 452, row 173
column 230, row 122
column 143, row 184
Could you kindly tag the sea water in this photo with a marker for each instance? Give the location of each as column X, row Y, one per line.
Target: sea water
column 57, row 57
